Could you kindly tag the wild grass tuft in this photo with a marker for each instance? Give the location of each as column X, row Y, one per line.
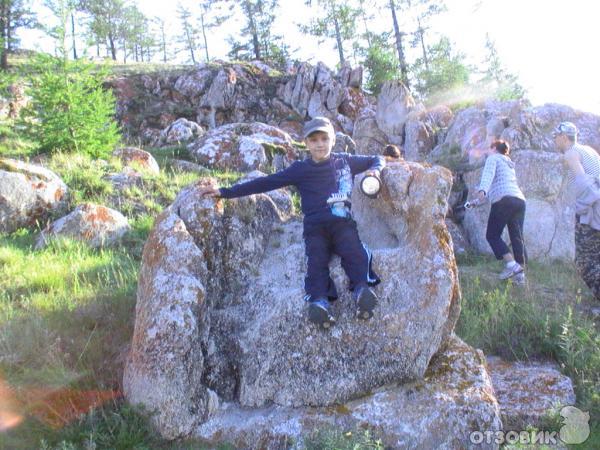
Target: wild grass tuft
column 547, row 319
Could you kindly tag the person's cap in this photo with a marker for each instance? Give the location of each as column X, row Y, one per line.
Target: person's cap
column 317, row 124
column 567, row 128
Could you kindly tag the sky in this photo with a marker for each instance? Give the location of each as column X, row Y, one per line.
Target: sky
column 549, row 44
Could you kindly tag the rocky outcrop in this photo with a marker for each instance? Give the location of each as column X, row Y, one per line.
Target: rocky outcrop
column 454, row 398
column 524, row 127
column 528, row 392
column 96, row 225
column 219, row 93
column 28, row 194
column 137, row 159
column 244, row 147
column 243, row 334
column 314, row 91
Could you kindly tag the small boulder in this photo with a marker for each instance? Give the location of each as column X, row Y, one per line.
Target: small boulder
column 97, row 225
column 137, row 159
column 188, row 166
column 28, row 194
column 179, row 132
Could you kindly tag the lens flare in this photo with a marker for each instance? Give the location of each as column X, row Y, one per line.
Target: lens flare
column 54, row 407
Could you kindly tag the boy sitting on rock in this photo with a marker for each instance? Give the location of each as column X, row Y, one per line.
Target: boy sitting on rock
column 325, row 184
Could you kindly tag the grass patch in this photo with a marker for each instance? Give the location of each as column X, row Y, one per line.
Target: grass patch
column 333, row 439
column 15, row 144
column 547, row 320
column 116, row 425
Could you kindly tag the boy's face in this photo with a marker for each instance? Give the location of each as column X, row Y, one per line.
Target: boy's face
column 319, row 145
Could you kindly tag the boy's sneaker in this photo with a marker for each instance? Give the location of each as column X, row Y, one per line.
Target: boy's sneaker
column 319, row 313
column 510, row 272
column 366, row 300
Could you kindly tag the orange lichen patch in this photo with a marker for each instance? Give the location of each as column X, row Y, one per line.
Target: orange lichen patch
column 97, row 214
column 60, row 407
column 58, row 194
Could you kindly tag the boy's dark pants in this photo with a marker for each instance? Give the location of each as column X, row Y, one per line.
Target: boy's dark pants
column 510, row 212
column 338, row 236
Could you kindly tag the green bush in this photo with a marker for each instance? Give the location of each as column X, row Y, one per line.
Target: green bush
column 69, row 110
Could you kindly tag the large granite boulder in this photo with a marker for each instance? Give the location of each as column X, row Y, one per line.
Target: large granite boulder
column 394, row 103
column 244, row 147
column 96, row 225
column 220, row 313
column 369, row 138
column 454, row 399
column 28, row 194
column 549, row 216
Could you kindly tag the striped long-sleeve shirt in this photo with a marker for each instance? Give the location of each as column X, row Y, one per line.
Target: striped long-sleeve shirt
column 499, row 178
column 590, row 161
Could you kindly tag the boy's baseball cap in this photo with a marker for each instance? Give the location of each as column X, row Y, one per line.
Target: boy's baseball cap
column 567, row 128
column 317, row 124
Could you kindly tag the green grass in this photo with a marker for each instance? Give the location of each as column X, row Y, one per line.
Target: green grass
column 334, row 439
column 14, row 144
column 549, row 319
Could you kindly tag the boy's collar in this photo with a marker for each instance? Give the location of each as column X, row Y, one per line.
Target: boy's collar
column 322, row 161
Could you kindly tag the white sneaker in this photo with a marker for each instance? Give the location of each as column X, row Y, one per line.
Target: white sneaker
column 519, row 279
column 509, row 272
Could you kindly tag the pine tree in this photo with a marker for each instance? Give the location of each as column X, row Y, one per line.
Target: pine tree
column 503, row 84
column 336, row 21
column 446, row 71
column 14, row 14
column 189, row 31
column 70, row 109
column 380, row 62
column 106, row 23
column 211, row 16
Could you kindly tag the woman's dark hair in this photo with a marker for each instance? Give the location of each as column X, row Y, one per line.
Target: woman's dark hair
column 392, row 151
column 501, row 147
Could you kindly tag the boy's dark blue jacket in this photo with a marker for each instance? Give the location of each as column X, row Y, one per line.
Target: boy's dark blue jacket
column 316, row 182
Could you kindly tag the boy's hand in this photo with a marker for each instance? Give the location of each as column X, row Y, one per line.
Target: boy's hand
column 210, row 191
column 371, row 173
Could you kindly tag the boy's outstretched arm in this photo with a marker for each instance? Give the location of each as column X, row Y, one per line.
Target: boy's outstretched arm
column 276, row 180
column 369, row 163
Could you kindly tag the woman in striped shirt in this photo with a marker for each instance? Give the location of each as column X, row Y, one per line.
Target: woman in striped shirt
column 499, row 184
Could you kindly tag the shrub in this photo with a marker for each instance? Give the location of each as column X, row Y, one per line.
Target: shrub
column 69, row 110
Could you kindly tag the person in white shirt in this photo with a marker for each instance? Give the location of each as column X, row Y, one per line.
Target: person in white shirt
column 583, row 165
column 499, row 185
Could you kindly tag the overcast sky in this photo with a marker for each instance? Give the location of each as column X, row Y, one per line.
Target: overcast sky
column 551, row 45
